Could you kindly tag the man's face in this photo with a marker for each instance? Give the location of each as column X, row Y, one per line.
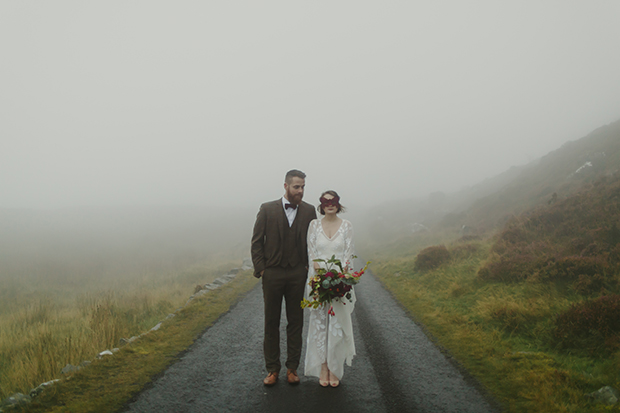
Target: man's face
column 294, row 190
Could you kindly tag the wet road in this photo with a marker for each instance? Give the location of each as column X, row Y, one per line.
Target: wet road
column 397, row 368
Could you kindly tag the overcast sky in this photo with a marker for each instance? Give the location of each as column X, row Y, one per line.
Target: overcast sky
column 211, row 102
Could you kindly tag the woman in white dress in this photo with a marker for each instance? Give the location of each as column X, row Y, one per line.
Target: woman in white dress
column 330, row 337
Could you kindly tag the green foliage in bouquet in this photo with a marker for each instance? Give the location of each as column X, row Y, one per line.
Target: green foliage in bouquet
column 333, row 281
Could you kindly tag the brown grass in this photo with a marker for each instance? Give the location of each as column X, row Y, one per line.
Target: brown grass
column 107, row 384
column 42, row 328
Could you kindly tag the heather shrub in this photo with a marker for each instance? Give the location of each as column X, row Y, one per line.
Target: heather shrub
column 592, row 250
column 514, row 235
column 573, row 241
column 469, row 238
column 612, row 235
column 463, row 251
column 509, row 268
column 547, row 220
column 571, row 268
column 614, row 255
column 586, row 284
column 592, row 325
column 431, row 257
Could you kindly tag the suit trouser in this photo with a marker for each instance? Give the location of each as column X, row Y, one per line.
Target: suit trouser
column 288, row 283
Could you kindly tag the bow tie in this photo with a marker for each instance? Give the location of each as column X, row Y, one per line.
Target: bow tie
column 287, row 206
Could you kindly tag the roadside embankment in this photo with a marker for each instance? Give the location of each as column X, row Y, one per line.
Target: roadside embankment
column 502, row 333
column 115, row 375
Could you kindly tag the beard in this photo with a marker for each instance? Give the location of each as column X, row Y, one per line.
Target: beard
column 295, row 199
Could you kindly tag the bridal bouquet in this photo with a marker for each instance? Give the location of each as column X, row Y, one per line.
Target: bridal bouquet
column 331, row 282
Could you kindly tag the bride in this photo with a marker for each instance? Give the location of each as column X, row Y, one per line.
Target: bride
column 330, row 337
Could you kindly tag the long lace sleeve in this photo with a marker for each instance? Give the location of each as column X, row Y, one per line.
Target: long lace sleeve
column 313, row 252
column 349, row 248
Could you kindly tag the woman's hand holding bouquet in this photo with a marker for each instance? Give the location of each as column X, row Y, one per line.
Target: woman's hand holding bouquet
column 332, row 282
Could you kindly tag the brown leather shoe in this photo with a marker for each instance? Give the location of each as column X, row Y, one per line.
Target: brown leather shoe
column 292, row 377
column 271, row 379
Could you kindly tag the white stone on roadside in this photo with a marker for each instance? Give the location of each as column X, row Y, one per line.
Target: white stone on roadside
column 104, row 353
column 156, row 327
column 37, row 390
column 18, row 399
column 69, row 368
column 125, row 341
column 247, row 264
column 607, row 395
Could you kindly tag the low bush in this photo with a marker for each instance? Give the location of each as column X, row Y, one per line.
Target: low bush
column 515, row 235
column 432, row 257
column 593, row 325
column 571, row 268
column 574, row 242
column 509, row 269
column 463, row 251
column 587, row 284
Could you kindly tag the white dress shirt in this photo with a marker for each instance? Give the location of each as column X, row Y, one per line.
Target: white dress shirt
column 290, row 212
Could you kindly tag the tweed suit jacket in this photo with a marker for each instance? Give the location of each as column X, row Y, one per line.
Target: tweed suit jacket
column 268, row 234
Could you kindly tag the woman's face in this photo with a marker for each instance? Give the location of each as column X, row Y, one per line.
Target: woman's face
column 329, row 204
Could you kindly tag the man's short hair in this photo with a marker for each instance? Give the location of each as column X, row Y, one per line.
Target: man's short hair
column 294, row 173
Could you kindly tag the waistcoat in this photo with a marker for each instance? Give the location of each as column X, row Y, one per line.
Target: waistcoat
column 290, row 248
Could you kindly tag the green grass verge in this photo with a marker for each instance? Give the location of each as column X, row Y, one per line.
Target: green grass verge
column 500, row 332
column 107, row 384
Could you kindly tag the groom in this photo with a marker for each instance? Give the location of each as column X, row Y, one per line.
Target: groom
column 280, row 256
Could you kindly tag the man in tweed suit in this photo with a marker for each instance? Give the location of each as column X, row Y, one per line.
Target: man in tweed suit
column 280, row 257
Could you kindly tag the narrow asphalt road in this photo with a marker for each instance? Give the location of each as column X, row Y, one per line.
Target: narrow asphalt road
column 397, row 368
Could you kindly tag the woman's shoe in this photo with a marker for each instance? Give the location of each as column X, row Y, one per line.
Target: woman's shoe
column 324, row 373
column 333, row 380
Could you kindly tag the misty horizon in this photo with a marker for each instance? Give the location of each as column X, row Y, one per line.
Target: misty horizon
column 151, row 104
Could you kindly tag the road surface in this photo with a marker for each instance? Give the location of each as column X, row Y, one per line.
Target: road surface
column 397, row 368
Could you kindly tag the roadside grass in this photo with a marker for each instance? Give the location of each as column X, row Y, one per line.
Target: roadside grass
column 45, row 326
column 108, row 383
column 500, row 332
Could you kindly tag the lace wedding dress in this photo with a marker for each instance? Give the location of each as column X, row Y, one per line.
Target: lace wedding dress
column 330, row 338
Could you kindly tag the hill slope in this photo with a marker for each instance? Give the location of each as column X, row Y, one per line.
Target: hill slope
column 561, row 172
column 532, row 309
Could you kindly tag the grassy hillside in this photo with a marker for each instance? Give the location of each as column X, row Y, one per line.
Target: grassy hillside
column 530, row 303
column 488, row 205
column 561, row 172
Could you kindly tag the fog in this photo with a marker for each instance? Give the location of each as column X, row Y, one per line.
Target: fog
column 150, row 103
